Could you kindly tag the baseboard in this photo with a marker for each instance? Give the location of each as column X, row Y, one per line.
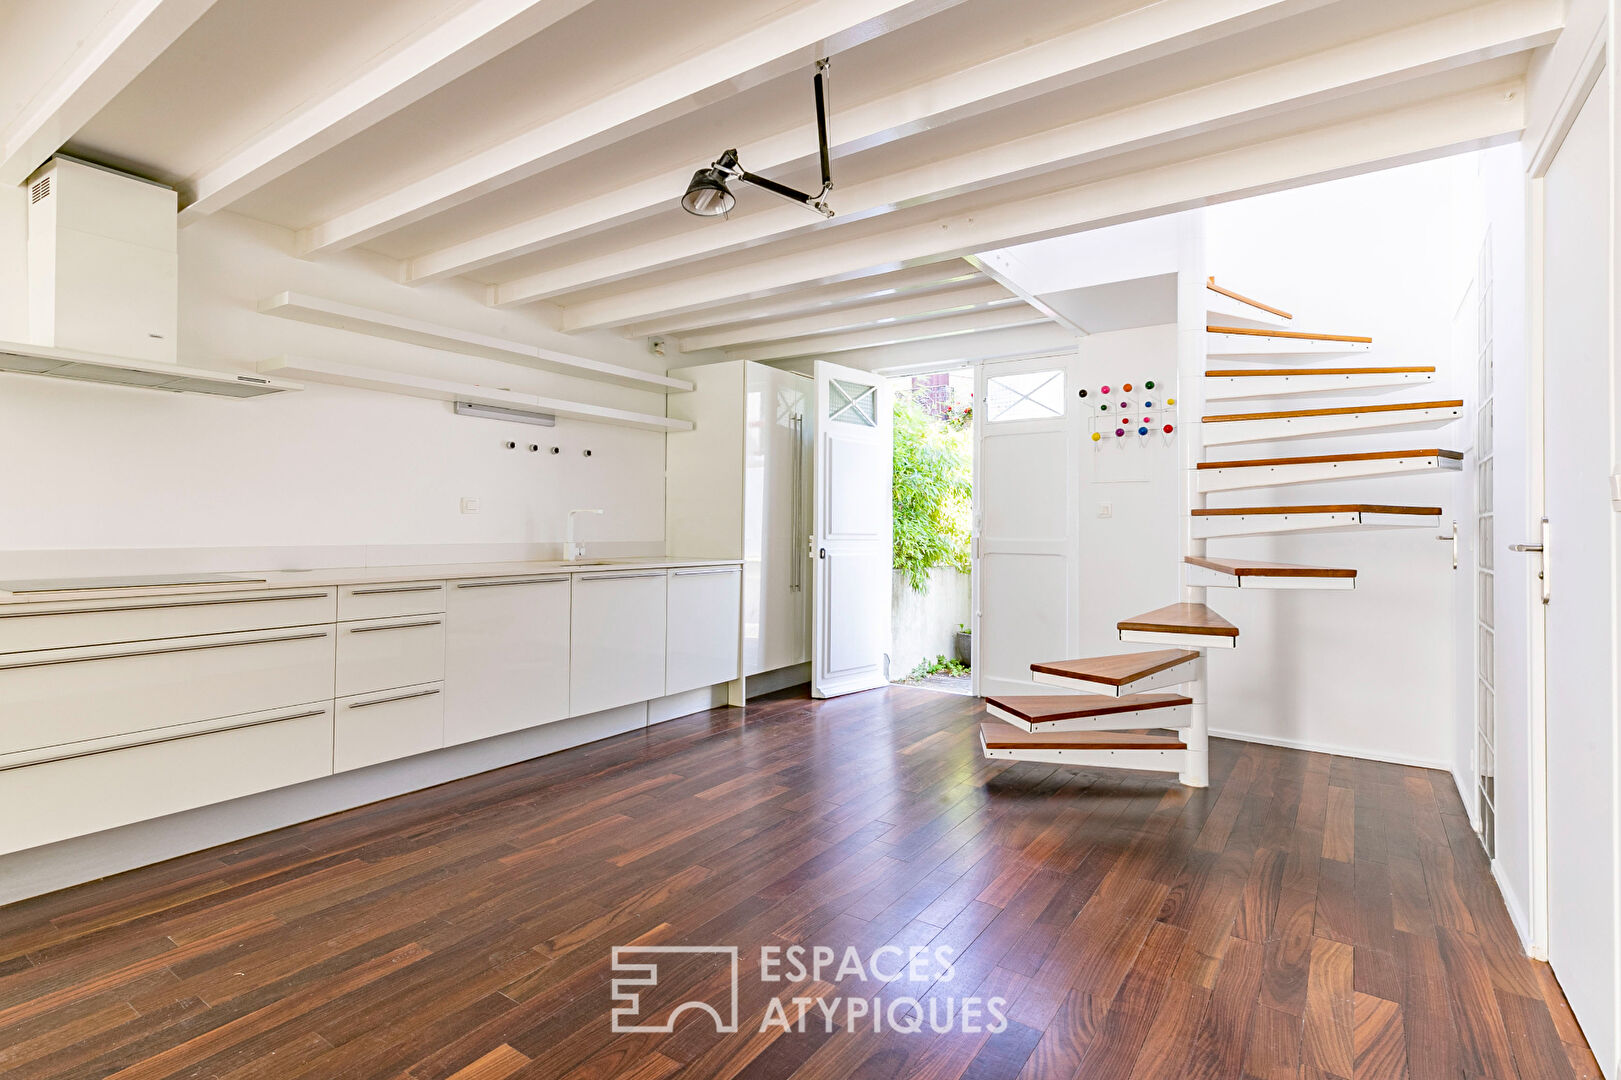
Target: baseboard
column 1327, row 748
column 769, row 682
column 1516, row 915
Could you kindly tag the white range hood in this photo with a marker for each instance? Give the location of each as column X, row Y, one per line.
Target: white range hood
column 148, row 374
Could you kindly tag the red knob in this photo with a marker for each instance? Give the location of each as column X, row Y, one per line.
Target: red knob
column 1169, row 429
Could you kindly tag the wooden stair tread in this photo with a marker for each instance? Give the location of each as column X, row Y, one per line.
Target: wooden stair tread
column 1328, row 508
column 1302, row 335
column 1119, row 669
column 1316, row 459
column 1041, row 709
column 1246, row 373
column 1258, row 568
column 1007, row 737
column 1343, row 410
column 1210, row 283
column 1180, row 619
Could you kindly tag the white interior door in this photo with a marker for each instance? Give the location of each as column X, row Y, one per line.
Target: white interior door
column 1581, row 651
column 853, row 531
column 1025, row 535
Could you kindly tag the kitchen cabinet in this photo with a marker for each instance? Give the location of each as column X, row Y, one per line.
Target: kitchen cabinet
column 369, row 728
column 617, row 641
column 701, row 627
column 385, row 653
column 506, row 655
column 738, row 486
column 107, row 622
column 389, row 600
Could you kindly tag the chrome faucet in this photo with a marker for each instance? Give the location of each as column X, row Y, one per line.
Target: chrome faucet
column 572, row 548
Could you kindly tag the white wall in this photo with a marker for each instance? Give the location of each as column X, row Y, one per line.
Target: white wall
column 1368, row 671
column 923, row 625
column 323, row 474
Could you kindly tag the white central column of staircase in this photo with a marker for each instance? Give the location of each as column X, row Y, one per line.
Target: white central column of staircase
column 1117, row 725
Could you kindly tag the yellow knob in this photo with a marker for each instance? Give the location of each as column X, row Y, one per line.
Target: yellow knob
column 1097, row 436
column 1170, row 401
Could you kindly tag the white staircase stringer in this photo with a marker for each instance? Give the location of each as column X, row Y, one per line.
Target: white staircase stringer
column 1192, row 357
column 1136, row 720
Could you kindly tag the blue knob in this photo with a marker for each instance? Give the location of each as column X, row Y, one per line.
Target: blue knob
column 1142, row 431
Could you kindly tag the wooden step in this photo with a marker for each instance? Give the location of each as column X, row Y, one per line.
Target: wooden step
column 1264, row 472
column 1223, row 384
column 1121, row 674
column 1261, row 520
column 1191, row 625
column 1003, row 737
column 1225, row 304
column 1229, row 428
column 1256, row 574
column 1087, row 712
column 1262, row 342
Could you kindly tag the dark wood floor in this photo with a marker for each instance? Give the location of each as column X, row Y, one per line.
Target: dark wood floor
column 1305, row 917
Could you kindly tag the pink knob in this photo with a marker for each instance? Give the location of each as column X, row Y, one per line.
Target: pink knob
column 1103, row 389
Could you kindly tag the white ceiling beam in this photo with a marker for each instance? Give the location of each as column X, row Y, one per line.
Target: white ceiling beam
column 975, row 322
column 1087, row 53
column 1443, row 125
column 936, row 277
column 464, row 41
column 996, row 265
column 1441, row 44
column 137, row 34
column 937, row 354
column 746, row 57
column 911, row 307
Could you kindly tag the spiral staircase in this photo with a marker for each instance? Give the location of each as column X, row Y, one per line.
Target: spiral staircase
column 1146, row 710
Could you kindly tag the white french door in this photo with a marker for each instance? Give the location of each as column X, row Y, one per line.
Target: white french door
column 1580, row 647
column 853, row 532
column 1025, row 520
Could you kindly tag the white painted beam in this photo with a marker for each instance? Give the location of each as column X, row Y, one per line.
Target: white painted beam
column 940, row 354
column 1412, row 52
column 953, row 302
column 99, row 71
column 745, row 57
column 1086, row 53
column 933, row 277
column 464, row 41
column 952, row 325
column 1389, row 137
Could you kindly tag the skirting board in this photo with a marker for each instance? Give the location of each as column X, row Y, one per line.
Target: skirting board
column 86, row 858
column 1337, row 751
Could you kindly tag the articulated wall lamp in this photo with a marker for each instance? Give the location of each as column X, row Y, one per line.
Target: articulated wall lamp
column 708, row 195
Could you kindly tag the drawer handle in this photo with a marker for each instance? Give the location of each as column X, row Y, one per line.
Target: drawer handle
column 391, row 700
column 620, row 576
column 396, row 589
column 128, row 742
column 395, row 626
column 162, row 652
column 711, row 570
column 504, row 584
column 166, row 607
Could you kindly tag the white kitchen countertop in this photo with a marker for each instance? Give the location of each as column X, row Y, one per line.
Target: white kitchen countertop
column 56, row 591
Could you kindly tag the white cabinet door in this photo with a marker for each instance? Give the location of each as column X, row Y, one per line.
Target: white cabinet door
column 776, row 520
column 369, row 728
column 702, row 627
column 617, row 644
column 390, row 652
column 506, row 655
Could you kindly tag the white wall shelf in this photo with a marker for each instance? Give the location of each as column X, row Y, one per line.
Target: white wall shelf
column 398, row 382
column 313, row 309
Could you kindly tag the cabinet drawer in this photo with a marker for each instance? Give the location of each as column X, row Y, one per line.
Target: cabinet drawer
column 387, row 653
column 70, row 695
column 616, row 650
column 43, row 803
column 702, row 627
column 388, row 725
column 104, row 622
column 390, row 600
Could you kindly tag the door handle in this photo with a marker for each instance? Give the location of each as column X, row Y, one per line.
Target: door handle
column 1453, row 537
column 821, row 553
column 1542, row 551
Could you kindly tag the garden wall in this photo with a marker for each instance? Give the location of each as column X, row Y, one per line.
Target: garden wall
column 922, row 624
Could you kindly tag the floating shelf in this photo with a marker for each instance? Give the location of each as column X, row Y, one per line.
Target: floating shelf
column 52, row 363
column 384, row 324
column 398, row 382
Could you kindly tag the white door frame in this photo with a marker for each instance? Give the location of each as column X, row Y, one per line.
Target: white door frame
column 1593, row 67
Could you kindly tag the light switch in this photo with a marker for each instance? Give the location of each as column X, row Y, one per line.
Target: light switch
column 1615, row 491
column 1105, row 510
column 470, row 505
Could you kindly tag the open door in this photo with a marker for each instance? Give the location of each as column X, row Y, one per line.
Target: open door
column 853, row 531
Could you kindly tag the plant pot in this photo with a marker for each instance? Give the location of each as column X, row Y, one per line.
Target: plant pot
column 964, row 643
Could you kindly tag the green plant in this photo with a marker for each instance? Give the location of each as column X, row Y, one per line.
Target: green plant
column 940, row 665
column 933, row 494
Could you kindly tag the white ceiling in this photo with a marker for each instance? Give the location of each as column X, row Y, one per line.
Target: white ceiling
column 539, row 147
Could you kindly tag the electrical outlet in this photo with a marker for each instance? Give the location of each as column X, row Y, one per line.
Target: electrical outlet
column 470, row 505
column 1105, row 510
